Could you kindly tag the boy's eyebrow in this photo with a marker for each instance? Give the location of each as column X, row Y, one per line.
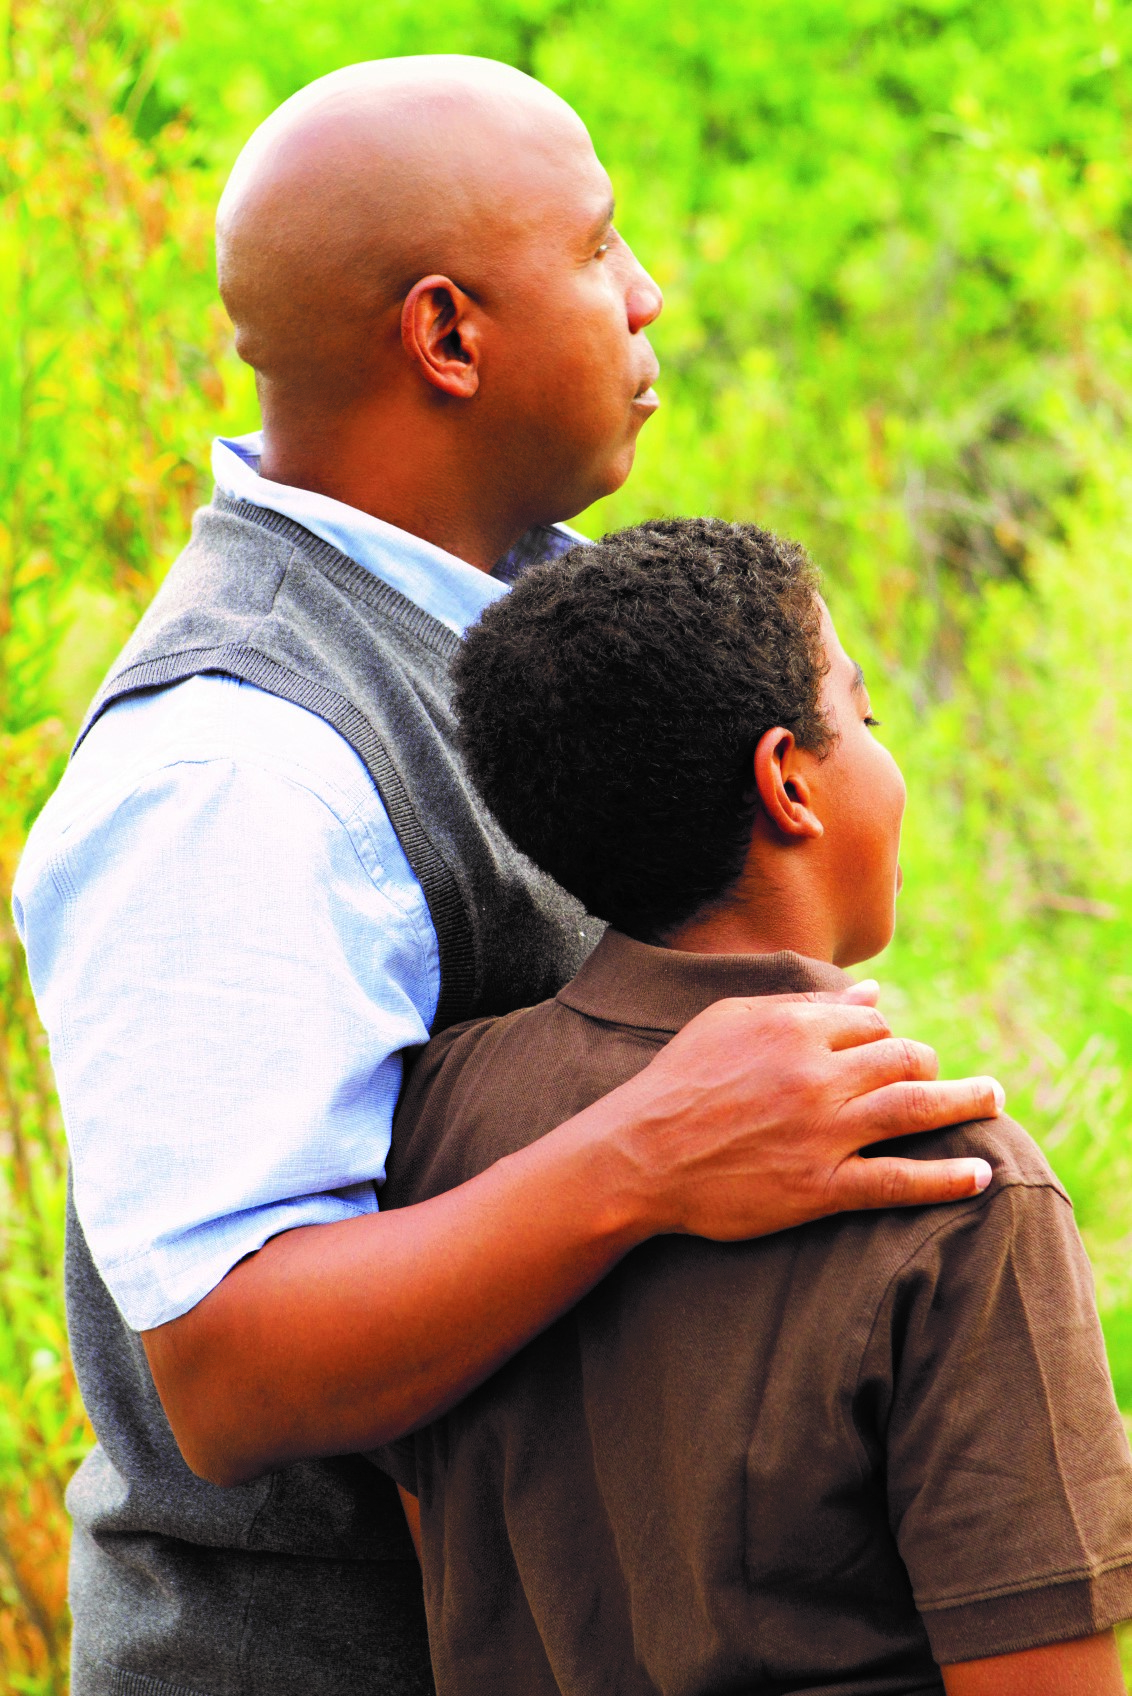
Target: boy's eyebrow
column 858, row 677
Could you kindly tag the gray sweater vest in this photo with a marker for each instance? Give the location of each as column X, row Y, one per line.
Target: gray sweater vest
column 302, row 1583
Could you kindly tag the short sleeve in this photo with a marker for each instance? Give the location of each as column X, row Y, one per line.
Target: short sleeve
column 1008, row 1471
column 230, row 960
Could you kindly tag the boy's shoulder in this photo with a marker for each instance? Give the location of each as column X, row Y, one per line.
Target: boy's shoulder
column 1023, row 1202
column 1014, row 1157
column 575, row 1054
column 484, row 1089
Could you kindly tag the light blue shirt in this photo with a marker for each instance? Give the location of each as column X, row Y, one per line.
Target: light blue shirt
column 230, row 951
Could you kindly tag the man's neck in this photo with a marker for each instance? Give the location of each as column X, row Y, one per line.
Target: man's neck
column 416, row 489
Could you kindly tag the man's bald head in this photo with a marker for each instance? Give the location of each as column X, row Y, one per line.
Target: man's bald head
column 419, row 259
column 368, row 180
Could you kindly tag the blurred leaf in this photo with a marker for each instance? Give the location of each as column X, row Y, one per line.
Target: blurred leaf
column 895, row 242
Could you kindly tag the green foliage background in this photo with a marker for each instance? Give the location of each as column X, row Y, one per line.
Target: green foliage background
column 895, row 241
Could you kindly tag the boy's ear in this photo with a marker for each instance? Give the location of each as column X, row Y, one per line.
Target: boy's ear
column 783, row 785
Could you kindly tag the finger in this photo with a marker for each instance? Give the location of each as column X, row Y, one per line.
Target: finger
column 863, row 994
column 846, row 1025
column 900, row 1110
column 894, row 1060
column 886, row 1182
column 834, row 1024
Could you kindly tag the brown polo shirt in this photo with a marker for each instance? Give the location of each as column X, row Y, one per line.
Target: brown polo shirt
column 822, row 1461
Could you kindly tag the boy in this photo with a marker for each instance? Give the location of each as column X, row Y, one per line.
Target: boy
column 871, row 1454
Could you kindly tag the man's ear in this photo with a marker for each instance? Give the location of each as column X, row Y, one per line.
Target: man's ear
column 783, row 785
column 441, row 333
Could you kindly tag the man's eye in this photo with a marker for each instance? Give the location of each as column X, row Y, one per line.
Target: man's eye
column 604, row 248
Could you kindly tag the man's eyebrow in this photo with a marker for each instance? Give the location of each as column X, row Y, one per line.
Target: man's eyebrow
column 604, row 219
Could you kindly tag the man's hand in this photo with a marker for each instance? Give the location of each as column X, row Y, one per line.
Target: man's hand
column 337, row 1338
column 752, row 1117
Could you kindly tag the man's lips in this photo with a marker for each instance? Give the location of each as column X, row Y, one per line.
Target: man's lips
column 646, row 398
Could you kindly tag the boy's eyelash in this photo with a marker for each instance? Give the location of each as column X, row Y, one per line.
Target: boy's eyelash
column 873, row 723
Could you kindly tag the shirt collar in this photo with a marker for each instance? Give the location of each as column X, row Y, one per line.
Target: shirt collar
column 631, row 983
column 450, row 589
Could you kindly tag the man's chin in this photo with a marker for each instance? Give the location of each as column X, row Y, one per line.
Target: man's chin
column 619, row 467
column 605, row 479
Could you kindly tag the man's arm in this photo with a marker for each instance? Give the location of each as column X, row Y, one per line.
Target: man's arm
column 1089, row 1666
column 337, row 1338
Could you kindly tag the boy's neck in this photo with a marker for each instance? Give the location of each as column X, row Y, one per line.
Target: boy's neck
column 763, row 915
column 725, row 933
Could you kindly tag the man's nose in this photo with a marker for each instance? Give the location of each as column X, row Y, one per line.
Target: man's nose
column 643, row 299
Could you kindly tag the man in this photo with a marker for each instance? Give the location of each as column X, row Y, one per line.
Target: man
column 876, row 1455
column 265, row 876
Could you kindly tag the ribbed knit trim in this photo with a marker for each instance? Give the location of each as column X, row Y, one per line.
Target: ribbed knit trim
column 345, row 572
column 445, row 903
column 450, row 919
column 124, row 1683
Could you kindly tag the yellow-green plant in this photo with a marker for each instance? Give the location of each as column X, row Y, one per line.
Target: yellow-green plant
column 896, row 242
column 109, row 341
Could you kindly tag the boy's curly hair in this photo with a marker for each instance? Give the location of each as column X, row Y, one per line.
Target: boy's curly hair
column 610, row 706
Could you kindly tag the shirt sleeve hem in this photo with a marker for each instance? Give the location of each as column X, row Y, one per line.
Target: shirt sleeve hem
column 1029, row 1619
column 149, row 1291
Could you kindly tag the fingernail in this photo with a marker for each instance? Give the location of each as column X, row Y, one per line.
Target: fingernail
column 999, row 1095
column 981, row 1173
column 869, row 986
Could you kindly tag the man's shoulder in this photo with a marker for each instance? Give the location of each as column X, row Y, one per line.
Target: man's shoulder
column 211, row 716
column 148, row 753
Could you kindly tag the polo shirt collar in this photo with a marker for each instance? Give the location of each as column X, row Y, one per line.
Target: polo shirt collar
column 632, row 983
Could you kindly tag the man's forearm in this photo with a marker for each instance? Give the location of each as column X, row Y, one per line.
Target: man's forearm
column 1087, row 1666
column 335, row 1338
